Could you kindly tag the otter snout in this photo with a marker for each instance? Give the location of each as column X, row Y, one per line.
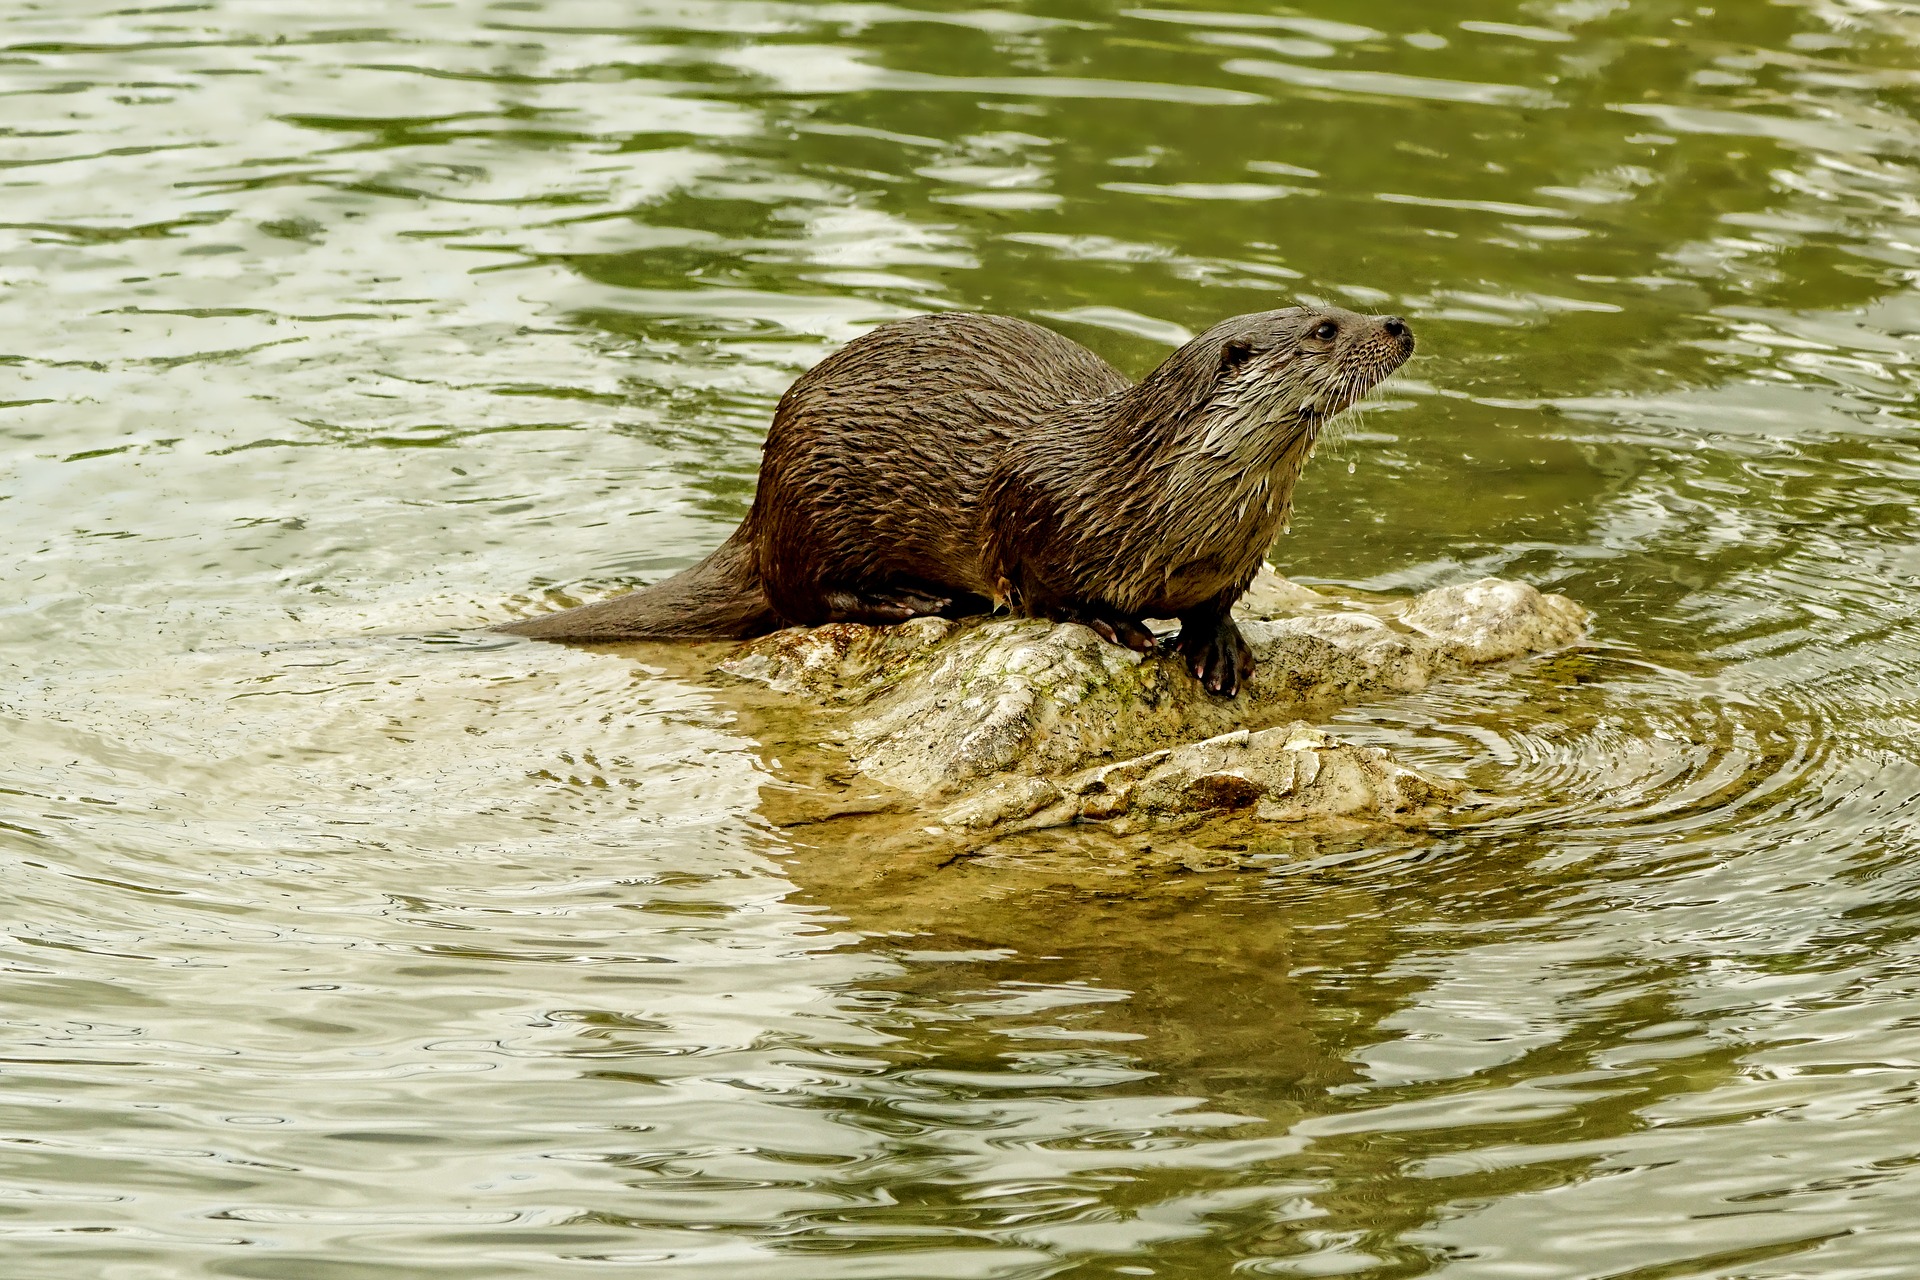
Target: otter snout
column 1400, row 331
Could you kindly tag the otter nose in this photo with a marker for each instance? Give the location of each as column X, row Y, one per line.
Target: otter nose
column 1398, row 330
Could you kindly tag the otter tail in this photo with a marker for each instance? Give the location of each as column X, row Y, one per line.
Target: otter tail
column 719, row 598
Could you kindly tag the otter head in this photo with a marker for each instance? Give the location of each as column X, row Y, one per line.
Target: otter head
column 1260, row 386
column 1269, row 380
column 1303, row 364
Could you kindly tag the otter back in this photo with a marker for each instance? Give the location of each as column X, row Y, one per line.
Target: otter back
column 870, row 482
column 878, row 457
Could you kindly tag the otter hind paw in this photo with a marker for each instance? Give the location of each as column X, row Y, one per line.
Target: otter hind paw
column 883, row 605
column 1116, row 628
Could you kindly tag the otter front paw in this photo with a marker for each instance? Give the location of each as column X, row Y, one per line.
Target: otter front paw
column 1217, row 656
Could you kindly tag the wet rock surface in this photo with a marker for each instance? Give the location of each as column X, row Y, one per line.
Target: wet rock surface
column 1284, row 774
column 1022, row 724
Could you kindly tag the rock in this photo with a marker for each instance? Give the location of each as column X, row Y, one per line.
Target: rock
column 1492, row 620
column 1035, row 697
column 836, row 661
column 1026, row 719
column 1271, row 596
column 1284, row 774
column 1004, row 800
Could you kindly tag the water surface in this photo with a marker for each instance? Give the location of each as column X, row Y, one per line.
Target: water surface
column 341, row 945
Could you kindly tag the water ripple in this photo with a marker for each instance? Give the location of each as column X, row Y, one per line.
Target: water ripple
column 340, row 943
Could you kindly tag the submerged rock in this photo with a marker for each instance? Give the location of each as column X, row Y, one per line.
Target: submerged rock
column 1038, row 724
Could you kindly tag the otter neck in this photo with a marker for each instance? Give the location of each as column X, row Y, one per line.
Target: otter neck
column 1214, row 485
column 1236, row 438
column 1247, row 458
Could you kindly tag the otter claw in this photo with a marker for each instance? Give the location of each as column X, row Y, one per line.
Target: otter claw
column 1125, row 632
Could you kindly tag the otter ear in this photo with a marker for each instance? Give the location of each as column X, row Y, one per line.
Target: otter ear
column 1235, row 353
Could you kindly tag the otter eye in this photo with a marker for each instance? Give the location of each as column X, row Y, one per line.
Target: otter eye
column 1326, row 331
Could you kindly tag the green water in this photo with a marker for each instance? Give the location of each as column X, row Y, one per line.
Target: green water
column 340, row 945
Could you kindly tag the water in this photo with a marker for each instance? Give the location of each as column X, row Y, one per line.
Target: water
column 340, row 944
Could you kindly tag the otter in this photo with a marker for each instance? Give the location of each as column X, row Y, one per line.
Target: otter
column 950, row 463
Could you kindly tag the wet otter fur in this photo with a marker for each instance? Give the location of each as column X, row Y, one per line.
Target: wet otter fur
column 948, row 462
